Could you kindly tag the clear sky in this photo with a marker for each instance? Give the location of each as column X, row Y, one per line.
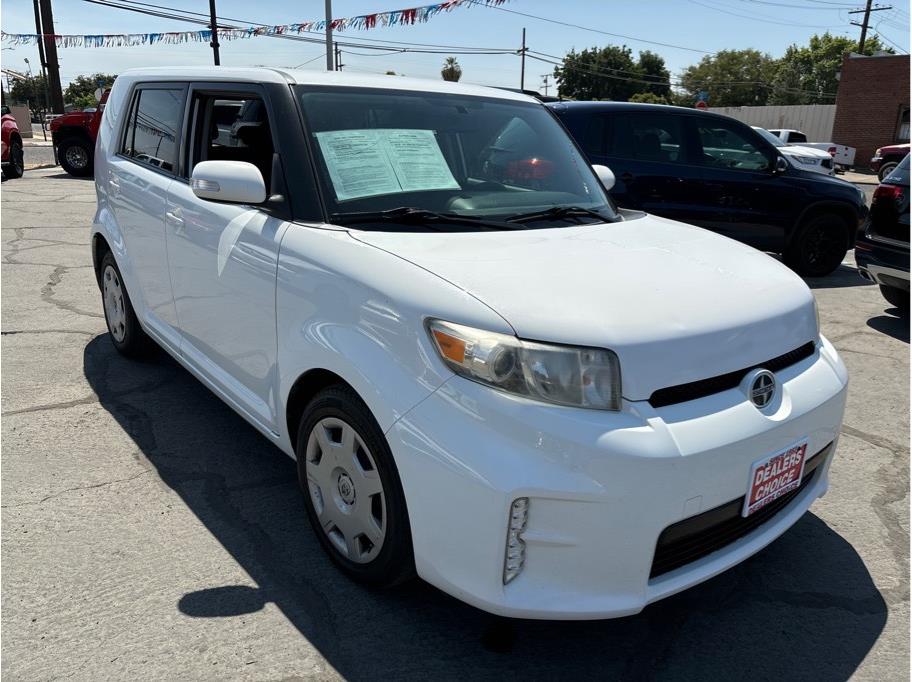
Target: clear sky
column 709, row 25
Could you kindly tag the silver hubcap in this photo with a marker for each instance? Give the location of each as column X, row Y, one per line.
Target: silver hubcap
column 346, row 490
column 113, row 296
column 77, row 157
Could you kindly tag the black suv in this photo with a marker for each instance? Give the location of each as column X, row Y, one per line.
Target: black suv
column 882, row 250
column 718, row 173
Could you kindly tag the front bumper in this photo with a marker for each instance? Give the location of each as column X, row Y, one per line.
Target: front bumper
column 602, row 487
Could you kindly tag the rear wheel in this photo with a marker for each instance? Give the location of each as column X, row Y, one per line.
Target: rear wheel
column 16, row 165
column 898, row 298
column 819, row 245
column 885, row 169
column 126, row 333
column 352, row 491
column 76, row 156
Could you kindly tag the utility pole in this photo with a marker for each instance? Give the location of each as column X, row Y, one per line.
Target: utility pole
column 213, row 26
column 864, row 24
column 47, row 96
column 545, row 77
column 50, row 52
column 329, row 35
column 522, row 68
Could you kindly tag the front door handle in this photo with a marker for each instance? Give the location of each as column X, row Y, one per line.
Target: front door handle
column 174, row 218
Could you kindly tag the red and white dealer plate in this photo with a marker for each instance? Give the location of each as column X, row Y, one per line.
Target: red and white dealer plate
column 774, row 476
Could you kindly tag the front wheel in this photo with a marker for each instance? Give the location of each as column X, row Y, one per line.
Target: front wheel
column 16, row 165
column 898, row 298
column 886, row 169
column 818, row 246
column 76, row 156
column 352, row 491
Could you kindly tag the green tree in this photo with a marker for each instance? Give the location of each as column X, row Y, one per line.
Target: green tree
column 81, row 90
column 611, row 73
column 648, row 98
column 652, row 68
column 731, row 78
column 30, row 91
column 451, row 70
column 807, row 74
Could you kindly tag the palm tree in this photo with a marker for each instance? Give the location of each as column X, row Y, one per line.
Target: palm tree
column 451, row 70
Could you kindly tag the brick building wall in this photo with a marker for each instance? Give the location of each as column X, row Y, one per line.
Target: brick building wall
column 872, row 98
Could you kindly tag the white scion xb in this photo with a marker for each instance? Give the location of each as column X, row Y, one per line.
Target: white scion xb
column 488, row 374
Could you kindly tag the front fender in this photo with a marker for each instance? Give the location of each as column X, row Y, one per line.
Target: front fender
column 357, row 311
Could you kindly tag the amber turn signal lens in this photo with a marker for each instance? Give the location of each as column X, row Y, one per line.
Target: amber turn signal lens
column 450, row 347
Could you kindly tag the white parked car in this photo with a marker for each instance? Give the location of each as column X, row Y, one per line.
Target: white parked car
column 803, row 158
column 843, row 155
column 489, row 375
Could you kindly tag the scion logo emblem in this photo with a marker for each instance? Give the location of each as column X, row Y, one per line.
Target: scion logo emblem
column 762, row 388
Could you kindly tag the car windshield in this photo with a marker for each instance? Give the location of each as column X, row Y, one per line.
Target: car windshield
column 454, row 155
column 769, row 137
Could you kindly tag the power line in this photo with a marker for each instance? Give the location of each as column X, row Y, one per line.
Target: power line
column 758, row 18
column 587, row 28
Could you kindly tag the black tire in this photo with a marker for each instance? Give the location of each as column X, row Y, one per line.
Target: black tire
column 129, row 338
column 15, row 167
column 898, row 298
column 394, row 563
column 76, row 156
column 819, row 245
column 885, row 169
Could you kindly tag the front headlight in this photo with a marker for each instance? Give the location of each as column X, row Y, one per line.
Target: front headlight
column 878, row 151
column 806, row 160
column 565, row 375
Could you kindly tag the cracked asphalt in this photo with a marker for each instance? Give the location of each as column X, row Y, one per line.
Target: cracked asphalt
column 149, row 533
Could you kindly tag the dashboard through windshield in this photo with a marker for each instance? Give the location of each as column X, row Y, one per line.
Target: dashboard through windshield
column 494, row 159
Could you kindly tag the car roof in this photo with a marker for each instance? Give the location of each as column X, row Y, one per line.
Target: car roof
column 591, row 107
column 314, row 77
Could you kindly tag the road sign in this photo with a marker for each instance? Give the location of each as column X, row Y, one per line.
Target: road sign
column 701, row 104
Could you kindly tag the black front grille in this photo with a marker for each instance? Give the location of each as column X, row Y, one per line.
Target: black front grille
column 704, row 387
column 703, row 534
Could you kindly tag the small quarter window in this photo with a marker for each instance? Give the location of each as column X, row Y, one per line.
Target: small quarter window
column 151, row 134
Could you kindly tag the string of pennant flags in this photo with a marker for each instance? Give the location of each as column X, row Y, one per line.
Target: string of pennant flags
column 364, row 22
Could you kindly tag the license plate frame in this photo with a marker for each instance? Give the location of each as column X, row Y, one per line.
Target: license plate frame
column 774, row 476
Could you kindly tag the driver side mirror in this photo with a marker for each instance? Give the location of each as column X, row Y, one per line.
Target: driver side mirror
column 605, row 176
column 780, row 166
column 236, row 182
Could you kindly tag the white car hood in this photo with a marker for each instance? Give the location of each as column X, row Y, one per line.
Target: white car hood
column 797, row 150
column 676, row 303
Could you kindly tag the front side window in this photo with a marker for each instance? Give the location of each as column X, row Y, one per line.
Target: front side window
column 725, row 146
column 152, row 129
column 379, row 150
column 232, row 128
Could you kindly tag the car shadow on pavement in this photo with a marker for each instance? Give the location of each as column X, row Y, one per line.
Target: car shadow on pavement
column 894, row 323
column 843, row 276
column 805, row 608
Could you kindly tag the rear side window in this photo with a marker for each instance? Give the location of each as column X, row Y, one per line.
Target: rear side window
column 797, row 137
column 151, row 133
column 647, row 137
column 593, row 142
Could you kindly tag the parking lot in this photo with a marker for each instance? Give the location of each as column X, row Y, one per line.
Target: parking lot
column 150, row 533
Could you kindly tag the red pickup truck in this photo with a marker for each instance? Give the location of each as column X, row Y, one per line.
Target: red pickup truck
column 74, row 137
column 887, row 158
column 12, row 158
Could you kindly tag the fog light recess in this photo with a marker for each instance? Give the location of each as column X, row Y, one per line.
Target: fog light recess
column 515, row 555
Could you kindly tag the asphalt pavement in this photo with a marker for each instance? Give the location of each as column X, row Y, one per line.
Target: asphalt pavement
column 150, row 533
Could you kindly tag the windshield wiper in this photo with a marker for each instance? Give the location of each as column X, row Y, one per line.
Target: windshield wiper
column 408, row 215
column 559, row 212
